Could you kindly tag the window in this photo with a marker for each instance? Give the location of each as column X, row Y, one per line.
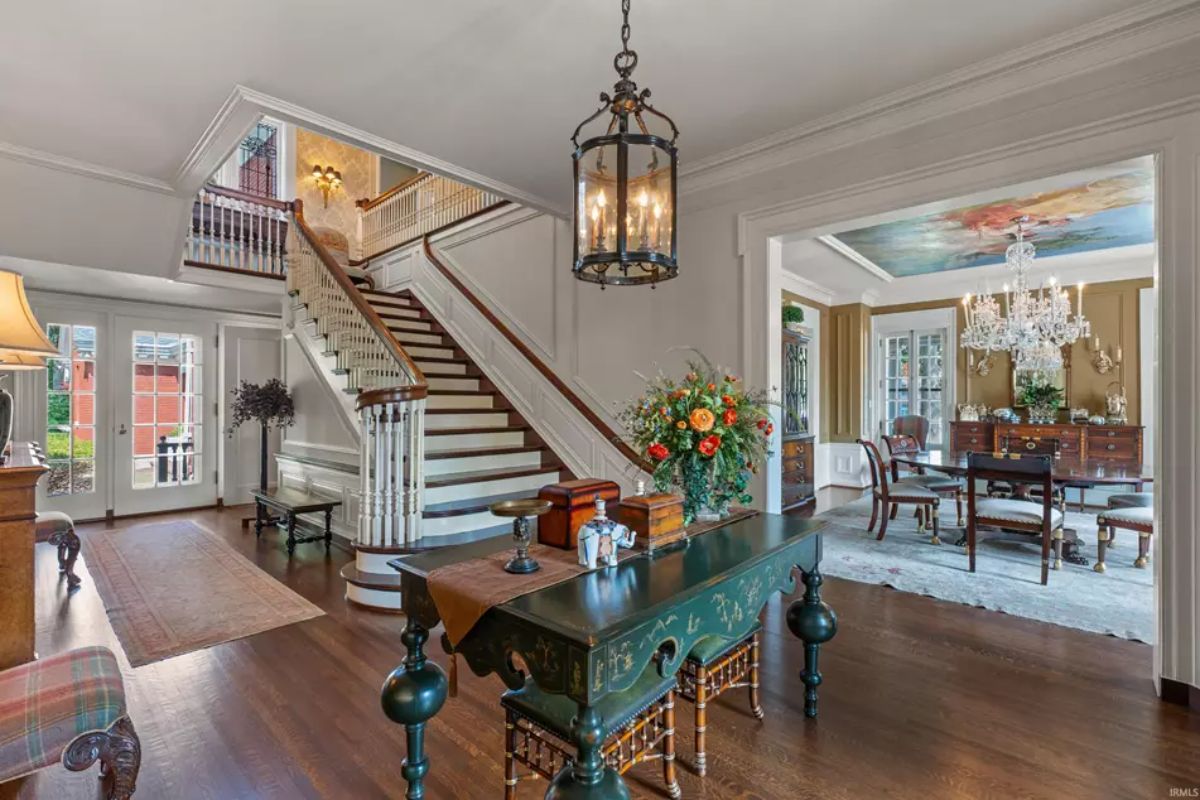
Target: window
column 258, row 161
column 71, row 410
column 167, row 408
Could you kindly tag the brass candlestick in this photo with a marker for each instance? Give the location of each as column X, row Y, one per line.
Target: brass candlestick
column 521, row 511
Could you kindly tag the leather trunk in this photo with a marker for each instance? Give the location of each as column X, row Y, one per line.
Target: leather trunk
column 572, row 504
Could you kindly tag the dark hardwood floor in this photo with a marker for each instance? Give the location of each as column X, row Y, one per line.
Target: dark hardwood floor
column 922, row 699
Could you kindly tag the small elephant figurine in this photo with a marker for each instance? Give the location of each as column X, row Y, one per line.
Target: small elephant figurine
column 589, row 546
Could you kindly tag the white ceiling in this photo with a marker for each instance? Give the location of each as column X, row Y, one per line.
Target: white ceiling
column 495, row 87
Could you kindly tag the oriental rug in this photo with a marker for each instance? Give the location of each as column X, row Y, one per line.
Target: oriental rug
column 173, row 587
column 1119, row 602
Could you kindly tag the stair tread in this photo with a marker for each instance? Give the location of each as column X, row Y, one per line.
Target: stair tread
column 482, row 475
column 442, row 360
column 371, row 580
column 474, row 505
column 463, row 391
column 479, row 429
column 467, row 410
column 497, row 450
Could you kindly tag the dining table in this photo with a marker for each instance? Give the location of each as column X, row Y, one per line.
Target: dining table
column 596, row 633
column 1064, row 470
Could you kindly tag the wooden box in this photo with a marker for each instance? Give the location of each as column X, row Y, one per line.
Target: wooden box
column 657, row 519
column 573, row 503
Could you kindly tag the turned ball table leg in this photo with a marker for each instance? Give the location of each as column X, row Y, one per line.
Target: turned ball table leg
column 813, row 622
column 411, row 696
column 589, row 778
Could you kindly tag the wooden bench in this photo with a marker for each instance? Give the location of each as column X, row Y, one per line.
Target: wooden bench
column 288, row 503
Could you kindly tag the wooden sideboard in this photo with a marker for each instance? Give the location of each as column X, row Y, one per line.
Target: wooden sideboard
column 799, row 487
column 19, row 475
column 1118, row 442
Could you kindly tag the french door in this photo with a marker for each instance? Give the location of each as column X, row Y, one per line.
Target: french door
column 164, row 413
column 70, row 415
column 914, row 377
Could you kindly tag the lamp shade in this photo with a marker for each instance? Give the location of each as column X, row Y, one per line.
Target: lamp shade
column 11, row 360
column 19, row 329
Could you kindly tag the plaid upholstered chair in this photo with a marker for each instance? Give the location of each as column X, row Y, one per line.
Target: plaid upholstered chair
column 69, row 708
column 637, row 725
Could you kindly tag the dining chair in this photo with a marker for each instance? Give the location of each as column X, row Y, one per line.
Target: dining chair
column 1130, row 517
column 1035, row 446
column 913, row 425
column 1039, row 518
column 887, row 496
column 904, row 444
column 713, row 667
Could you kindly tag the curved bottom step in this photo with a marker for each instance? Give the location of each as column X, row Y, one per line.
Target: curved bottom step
column 373, row 590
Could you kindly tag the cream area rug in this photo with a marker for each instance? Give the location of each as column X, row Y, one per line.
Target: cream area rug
column 1119, row 602
column 173, row 587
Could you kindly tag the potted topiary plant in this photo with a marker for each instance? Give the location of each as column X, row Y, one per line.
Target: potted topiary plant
column 793, row 318
column 270, row 405
column 1043, row 399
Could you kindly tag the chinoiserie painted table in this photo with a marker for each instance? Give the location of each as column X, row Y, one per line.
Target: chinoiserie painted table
column 1063, row 470
column 595, row 634
column 290, row 503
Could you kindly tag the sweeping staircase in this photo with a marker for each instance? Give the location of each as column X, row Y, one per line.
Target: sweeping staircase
column 438, row 441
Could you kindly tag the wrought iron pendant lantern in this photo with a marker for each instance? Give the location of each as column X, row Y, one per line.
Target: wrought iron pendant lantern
column 625, row 187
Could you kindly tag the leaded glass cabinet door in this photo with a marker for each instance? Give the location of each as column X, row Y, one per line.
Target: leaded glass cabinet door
column 795, row 385
column 69, row 418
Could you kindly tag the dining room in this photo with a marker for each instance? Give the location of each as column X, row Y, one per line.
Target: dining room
column 980, row 376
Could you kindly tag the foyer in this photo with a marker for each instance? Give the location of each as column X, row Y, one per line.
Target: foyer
column 401, row 400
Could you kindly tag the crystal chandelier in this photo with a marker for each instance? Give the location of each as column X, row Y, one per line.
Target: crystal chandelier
column 625, row 186
column 1034, row 325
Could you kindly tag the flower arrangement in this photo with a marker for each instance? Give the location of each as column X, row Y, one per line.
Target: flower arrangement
column 705, row 435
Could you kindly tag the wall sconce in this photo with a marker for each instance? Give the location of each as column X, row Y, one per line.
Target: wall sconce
column 1101, row 360
column 327, row 179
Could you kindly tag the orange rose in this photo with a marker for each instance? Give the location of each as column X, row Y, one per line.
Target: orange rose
column 702, row 419
column 681, row 425
column 708, row 445
column 729, row 417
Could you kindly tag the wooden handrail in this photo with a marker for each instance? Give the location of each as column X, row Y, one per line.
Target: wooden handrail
column 282, row 205
column 591, row 416
column 367, row 205
column 414, row 391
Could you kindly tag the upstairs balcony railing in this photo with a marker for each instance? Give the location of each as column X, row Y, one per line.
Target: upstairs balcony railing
column 238, row 232
column 419, row 206
column 391, row 390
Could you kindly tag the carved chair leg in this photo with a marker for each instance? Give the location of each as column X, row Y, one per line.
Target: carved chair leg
column 701, row 718
column 118, row 751
column 874, row 514
column 1045, row 558
column 668, row 747
column 932, row 512
column 888, row 512
column 1103, row 536
column 510, row 762
column 755, row 650
column 1058, row 548
column 922, row 522
column 1143, row 556
column 895, row 510
column 958, row 507
column 71, row 545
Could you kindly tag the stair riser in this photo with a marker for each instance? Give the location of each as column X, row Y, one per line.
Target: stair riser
column 453, row 384
column 385, row 601
column 463, row 401
column 407, row 324
column 428, row 366
column 466, row 491
column 437, row 444
column 375, row 562
column 387, row 300
column 483, row 419
column 422, row 351
column 463, row 523
column 407, row 338
column 448, row 466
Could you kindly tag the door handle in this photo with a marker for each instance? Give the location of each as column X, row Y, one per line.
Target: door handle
column 121, row 431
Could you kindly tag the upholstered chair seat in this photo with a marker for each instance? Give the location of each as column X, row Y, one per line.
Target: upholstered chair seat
column 1131, row 500
column 1023, row 511
column 1134, row 518
column 906, row 492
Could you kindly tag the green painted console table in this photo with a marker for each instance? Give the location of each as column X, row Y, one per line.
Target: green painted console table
column 595, row 634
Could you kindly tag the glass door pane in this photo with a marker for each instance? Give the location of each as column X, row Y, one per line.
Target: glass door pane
column 896, row 374
column 930, row 395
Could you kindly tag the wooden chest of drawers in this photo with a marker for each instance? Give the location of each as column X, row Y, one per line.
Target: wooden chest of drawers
column 1118, row 442
column 797, row 472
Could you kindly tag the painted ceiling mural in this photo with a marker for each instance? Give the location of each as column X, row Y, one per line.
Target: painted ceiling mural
column 1112, row 211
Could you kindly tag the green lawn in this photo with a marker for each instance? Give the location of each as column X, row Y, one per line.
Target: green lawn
column 58, row 445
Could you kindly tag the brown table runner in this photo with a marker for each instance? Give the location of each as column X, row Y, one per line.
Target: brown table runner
column 463, row 592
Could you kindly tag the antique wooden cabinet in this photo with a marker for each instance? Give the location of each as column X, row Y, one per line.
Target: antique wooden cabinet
column 1116, row 442
column 799, row 488
column 19, row 475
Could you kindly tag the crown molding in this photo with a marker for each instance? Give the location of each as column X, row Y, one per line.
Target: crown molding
column 40, row 158
column 1136, row 31
column 843, row 249
column 806, row 288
